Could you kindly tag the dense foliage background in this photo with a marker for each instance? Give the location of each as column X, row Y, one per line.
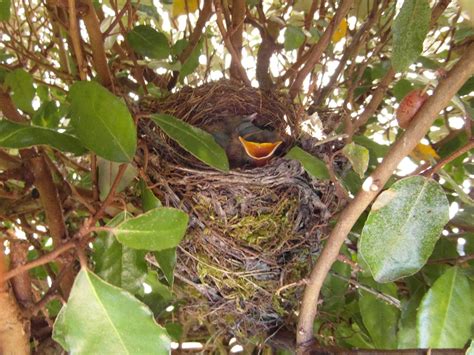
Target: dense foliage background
column 88, row 250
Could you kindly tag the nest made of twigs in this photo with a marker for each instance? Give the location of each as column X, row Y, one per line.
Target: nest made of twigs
column 252, row 232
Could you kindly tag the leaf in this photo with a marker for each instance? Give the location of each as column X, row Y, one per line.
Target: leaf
column 467, row 88
column 23, row 91
column 470, row 350
column 406, row 336
column 107, row 171
column 313, row 166
column 190, row 65
column 149, row 200
column 424, row 152
column 409, row 30
column 167, row 260
column 175, row 331
column 294, row 38
column 194, row 140
column 182, row 7
column 401, row 89
column 446, row 313
column 5, row 10
column 158, row 229
column 14, row 135
column 116, row 263
column 402, row 228
column 102, row 319
column 358, row 156
column 102, row 122
column 160, row 296
column 340, row 31
column 379, row 317
column 149, row 42
column 48, row 115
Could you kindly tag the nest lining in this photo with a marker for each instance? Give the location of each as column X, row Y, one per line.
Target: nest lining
column 252, row 231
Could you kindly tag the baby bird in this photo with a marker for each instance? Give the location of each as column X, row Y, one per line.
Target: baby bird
column 244, row 142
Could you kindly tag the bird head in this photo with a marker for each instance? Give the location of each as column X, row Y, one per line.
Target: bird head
column 259, row 152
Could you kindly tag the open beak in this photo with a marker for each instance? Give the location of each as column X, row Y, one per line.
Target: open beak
column 260, row 152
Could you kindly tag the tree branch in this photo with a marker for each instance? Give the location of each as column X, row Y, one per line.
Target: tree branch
column 318, row 49
column 53, row 210
column 422, row 121
column 97, row 43
column 236, row 36
column 228, row 44
column 14, row 334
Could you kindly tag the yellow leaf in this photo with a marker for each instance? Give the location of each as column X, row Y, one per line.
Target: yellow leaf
column 182, row 7
column 424, row 152
column 340, row 32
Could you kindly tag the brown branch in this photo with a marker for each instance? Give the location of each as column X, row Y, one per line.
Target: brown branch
column 97, row 43
column 14, row 334
column 204, row 16
column 377, row 97
column 422, row 121
column 76, row 39
column 21, row 284
column 46, row 258
column 228, row 44
column 449, row 158
column 9, row 110
column 318, row 49
column 379, row 93
column 236, row 36
column 53, row 210
column 308, row 19
column 357, row 42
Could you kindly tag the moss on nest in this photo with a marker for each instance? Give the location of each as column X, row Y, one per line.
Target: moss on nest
column 252, row 232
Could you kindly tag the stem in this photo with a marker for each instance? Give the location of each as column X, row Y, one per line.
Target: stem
column 422, row 121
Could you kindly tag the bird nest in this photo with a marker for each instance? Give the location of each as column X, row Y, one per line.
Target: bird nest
column 253, row 233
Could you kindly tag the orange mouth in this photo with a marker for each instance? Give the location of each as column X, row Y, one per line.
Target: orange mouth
column 259, row 151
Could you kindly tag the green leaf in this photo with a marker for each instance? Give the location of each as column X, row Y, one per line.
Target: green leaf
column 194, row 140
column 116, row 263
column 48, row 115
column 446, row 313
column 358, row 156
column 23, row 91
column 149, row 200
column 149, row 42
column 379, row 317
column 160, row 296
column 5, row 10
column 167, row 260
column 102, row 122
column 102, row 319
column 313, row 166
column 409, row 30
column 14, row 135
column 175, row 331
column 353, row 336
column 158, row 229
column 375, row 150
column 294, row 38
column 470, row 350
column 107, row 171
column 402, row 88
column 407, row 324
column 190, row 65
column 402, row 228
column 467, row 88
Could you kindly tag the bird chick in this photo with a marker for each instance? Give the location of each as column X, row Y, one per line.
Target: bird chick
column 245, row 143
